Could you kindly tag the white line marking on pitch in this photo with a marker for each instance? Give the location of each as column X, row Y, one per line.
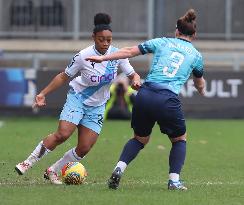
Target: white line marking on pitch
column 35, row 182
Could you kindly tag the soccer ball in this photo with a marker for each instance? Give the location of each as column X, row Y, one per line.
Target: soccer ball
column 73, row 173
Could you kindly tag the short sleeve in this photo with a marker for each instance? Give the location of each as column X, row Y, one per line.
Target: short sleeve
column 150, row 46
column 126, row 67
column 74, row 66
column 198, row 66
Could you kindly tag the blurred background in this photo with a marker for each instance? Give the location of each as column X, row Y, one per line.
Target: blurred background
column 38, row 38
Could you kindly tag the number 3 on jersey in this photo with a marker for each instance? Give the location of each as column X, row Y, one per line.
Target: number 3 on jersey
column 177, row 59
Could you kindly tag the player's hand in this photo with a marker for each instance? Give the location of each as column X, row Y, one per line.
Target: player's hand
column 40, row 101
column 136, row 84
column 96, row 59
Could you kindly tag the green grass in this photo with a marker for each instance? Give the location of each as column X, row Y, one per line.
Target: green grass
column 213, row 171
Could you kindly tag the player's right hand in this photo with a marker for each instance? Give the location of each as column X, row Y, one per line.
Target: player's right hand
column 40, row 101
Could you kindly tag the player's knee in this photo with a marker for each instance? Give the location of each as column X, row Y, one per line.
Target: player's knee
column 180, row 138
column 143, row 140
column 61, row 136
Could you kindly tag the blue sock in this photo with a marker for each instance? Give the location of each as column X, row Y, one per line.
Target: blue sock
column 130, row 151
column 177, row 156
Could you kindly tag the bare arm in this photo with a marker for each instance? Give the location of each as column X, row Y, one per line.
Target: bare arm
column 56, row 82
column 199, row 84
column 126, row 52
column 136, row 81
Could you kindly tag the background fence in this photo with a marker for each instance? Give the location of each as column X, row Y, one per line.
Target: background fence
column 131, row 18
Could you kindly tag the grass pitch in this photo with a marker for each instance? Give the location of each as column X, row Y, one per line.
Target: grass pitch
column 213, row 171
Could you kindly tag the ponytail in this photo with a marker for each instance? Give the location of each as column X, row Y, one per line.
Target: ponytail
column 187, row 23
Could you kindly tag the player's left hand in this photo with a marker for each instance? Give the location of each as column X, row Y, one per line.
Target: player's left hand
column 96, row 59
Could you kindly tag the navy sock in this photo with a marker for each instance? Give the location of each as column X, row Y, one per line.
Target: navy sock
column 130, row 151
column 177, row 156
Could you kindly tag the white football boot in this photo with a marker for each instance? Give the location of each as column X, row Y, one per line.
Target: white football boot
column 52, row 176
column 22, row 167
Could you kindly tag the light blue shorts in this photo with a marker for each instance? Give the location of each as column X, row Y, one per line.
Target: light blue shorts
column 76, row 112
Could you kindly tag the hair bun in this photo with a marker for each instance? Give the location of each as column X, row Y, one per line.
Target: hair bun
column 102, row 18
column 190, row 15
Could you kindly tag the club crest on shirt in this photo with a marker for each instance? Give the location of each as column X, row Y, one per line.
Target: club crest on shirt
column 112, row 63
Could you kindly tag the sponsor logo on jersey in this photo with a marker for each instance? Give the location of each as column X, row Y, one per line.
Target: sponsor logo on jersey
column 103, row 78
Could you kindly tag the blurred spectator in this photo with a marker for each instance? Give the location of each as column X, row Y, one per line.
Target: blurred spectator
column 119, row 106
column 1, row 53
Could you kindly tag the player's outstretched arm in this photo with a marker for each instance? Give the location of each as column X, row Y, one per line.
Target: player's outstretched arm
column 199, row 84
column 127, row 52
column 56, row 82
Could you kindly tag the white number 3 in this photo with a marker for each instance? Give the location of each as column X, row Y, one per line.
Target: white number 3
column 177, row 59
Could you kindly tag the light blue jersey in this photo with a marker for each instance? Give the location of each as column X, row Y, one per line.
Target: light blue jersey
column 174, row 60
